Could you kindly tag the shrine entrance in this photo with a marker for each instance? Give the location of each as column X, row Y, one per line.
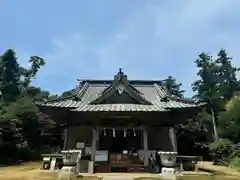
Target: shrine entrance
column 123, row 146
column 119, row 140
column 119, row 144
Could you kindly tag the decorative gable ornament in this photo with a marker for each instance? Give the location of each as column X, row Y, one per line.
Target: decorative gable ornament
column 119, row 85
column 120, row 89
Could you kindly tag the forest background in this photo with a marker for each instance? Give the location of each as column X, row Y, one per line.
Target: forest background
column 26, row 133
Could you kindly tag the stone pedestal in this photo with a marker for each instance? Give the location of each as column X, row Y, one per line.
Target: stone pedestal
column 71, row 157
column 168, row 160
column 46, row 163
column 168, row 171
column 83, row 166
column 67, row 172
column 70, row 160
column 91, row 167
column 53, row 163
column 170, row 174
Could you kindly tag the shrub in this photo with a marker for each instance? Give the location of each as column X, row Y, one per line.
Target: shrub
column 235, row 162
column 221, row 150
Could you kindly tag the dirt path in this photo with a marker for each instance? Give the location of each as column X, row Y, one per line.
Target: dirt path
column 31, row 171
column 209, row 167
column 28, row 171
column 117, row 178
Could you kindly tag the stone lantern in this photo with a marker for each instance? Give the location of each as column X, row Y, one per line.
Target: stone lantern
column 70, row 157
column 70, row 160
column 168, row 159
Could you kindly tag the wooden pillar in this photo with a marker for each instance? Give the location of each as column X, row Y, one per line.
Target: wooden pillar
column 65, row 138
column 145, row 146
column 98, row 137
column 173, row 139
column 94, row 143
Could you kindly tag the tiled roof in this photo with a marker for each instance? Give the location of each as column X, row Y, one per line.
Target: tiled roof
column 118, row 107
column 89, row 90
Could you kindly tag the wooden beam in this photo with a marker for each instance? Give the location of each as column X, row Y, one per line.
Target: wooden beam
column 120, row 128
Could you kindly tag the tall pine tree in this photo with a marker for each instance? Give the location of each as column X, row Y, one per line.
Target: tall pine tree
column 207, row 87
column 9, row 75
column 173, row 87
column 217, row 84
column 227, row 79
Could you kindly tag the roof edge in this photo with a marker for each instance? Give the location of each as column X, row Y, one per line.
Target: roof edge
column 133, row 82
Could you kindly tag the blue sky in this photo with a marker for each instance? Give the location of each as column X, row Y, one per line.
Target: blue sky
column 148, row 39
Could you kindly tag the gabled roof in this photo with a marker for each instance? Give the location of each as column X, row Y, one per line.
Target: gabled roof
column 121, row 84
column 90, row 94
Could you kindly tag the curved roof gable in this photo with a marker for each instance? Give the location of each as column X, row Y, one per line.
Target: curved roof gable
column 90, row 95
column 119, row 85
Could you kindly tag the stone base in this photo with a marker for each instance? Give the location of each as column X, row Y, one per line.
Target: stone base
column 53, row 164
column 170, row 173
column 166, row 170
column 83, row 166
column 91, row 167
column 67, row 172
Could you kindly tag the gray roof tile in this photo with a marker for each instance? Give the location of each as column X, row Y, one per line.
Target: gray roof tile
column 90, row 90
column 118, row 107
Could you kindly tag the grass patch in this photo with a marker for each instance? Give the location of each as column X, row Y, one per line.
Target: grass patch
column 23, row 166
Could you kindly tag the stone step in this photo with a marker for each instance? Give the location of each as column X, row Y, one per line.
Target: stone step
column 118, row 178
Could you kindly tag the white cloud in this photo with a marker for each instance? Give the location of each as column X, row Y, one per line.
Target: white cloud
column 156, row 41
column 154, row 33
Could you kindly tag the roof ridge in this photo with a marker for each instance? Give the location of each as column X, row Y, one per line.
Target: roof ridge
column 185, row 100
column 82, row 90
column 159, row 91
column 132, row 81
column 44, row 100
column 77, row 93
column 172, row 97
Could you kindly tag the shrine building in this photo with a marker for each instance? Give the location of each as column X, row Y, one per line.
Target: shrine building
column 110, row 118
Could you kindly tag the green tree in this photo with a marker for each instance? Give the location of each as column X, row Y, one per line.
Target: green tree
column 174, row 88
column 9, row 75
column 22, row 126
column 216, row 85
column 13, row 77
column 66, row 93
column 229, row 126
column 28, row 74
column 228, row 83
column 207, row 87
column 194, row 134
column 218, row 80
